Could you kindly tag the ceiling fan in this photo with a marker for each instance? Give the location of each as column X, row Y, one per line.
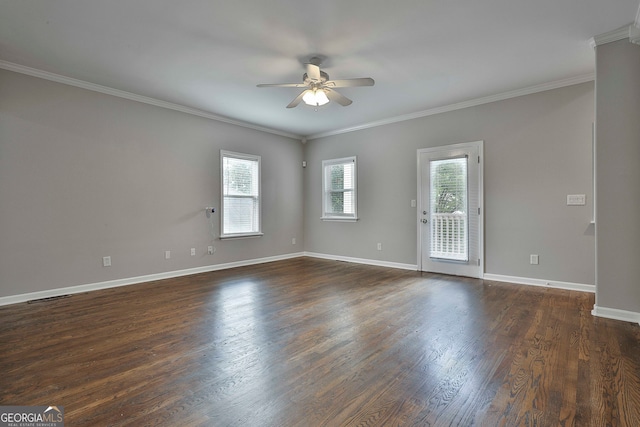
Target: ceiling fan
column 319, row 89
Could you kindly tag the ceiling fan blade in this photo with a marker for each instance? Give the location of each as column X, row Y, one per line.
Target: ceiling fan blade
column 335, row 96
column 313, row 72
column 364, row 81
column 297, row 99
column 282, row 85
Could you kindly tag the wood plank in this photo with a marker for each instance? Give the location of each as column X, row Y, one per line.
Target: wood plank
column 309, row 342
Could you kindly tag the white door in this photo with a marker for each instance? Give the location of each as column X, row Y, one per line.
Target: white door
column 450, row 225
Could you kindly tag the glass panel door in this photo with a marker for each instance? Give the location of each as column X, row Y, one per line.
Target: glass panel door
column 450, row 231
column 449, row 218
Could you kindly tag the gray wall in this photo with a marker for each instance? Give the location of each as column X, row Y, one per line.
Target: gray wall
column 618, row 173
column 538, row 149
column 84, row 175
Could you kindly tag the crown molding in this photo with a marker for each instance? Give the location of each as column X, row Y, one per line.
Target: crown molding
column 634, row 34
column 34, row 72
column 610, row 36
column 465, row 104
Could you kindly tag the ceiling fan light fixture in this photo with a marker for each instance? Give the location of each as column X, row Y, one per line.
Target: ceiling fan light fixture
column 319, row 90
column 315, row 98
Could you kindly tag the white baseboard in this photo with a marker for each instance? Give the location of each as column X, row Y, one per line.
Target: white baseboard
column 14, row 299
column 379, row 263
column 497, row 277
column 616, row 314
column 540, row 282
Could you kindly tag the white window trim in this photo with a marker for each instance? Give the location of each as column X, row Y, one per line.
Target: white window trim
column 335, row 217
column 223, row 154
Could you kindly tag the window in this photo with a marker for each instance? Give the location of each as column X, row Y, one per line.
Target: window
column 448, row 205
column 339, row 200
column 240, row 194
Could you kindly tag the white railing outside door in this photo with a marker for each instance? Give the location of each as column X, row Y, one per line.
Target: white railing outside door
column 449, row 238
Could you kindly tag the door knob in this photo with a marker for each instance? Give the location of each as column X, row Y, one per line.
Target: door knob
column 424, row 221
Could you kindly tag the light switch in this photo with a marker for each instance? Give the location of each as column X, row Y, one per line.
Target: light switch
column 576, row 199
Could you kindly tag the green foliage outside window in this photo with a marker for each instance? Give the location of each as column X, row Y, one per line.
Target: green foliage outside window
column 450, row 186
column 337, row 183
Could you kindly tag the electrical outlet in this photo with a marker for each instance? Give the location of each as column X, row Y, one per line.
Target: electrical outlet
column 193, row 251
column 533, row 259
column 210, row 250
column 413, row 203
column 379, row 246
column 106, row 261
column 167, row 254
column 293, row 241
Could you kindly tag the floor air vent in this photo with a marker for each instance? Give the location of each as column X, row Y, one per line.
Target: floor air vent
column 33, row 301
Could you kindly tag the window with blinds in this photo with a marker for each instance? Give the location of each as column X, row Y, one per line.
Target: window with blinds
column 240, row 194
column 339, row 189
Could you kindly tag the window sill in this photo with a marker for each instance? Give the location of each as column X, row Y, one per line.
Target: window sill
column 338, row 219
column 240, row 236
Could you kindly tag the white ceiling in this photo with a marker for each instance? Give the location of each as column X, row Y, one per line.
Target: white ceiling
column 209, row 55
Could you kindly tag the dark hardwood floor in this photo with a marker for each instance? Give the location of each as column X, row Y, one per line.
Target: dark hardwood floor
column 309, row 342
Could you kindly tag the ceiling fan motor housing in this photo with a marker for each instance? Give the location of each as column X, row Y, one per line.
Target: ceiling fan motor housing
column 323, row 78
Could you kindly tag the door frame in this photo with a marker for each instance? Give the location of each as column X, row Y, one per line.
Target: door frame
column 479, row 145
